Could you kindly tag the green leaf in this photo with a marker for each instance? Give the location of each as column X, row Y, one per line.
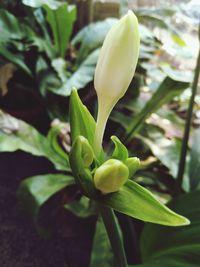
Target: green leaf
column 136, row 201
column 17, row 60
column 80, row 77
column 164, row 246
column 120, row 151
column 167, row 151
column 177, row 75
column 102, row 255
column 61, row 21
column 91, row 37
column 35, row 191
column 12, row 28
column 81, row 121
column 156, row 18
column 13, row 31
column 166, row 91
column 53, row 137
column 18, row 135
column 83, row 208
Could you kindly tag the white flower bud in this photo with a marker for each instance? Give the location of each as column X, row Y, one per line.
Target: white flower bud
column 115, row 68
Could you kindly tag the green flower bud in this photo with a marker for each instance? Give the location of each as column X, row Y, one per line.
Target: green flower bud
column 86, row 151
column 132, row 164
column 110, row 176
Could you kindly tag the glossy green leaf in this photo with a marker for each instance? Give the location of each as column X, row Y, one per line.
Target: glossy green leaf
column 80, row 77
column 91, row 37
column 61, row 21
column 136, row 201
column 120, row 151
column 35, row 191
column 81, row 121
column 166, row 91
column 102, row 255
column 18, row 135
column 164, row 246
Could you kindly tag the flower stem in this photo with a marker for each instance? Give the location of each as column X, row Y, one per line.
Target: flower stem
column 104, row 109
column 187, row 126
column 112, row 229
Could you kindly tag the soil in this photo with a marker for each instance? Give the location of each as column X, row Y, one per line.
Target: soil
column 26, row 105
column 21, row 246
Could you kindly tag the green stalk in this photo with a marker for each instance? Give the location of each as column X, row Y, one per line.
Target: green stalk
column 112, row 229
column 187, row 125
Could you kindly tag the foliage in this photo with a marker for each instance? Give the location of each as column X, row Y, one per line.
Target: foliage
column 18, row 135
column 148, row 120
column 43, row 32
column 181, row 245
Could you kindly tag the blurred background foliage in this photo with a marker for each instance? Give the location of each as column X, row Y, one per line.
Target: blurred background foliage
column 48, row 47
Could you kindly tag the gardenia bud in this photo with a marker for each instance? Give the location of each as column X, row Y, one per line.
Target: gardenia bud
column 115, row 69
column 110, row 176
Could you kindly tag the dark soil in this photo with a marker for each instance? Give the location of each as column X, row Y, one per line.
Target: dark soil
column 21, row 246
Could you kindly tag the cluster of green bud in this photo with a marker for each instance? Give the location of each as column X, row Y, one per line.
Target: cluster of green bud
column 113, row 173
column 108, row 177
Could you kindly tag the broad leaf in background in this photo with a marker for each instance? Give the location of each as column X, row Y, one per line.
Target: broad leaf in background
column 61, row 21
column 18, row 135
column 167, row 151
column 17, row 60
column 80, row 77
column 102, row 255
column 35, row 191
column 167, row 90
column 156, row 17
column 194, row 164
column 164, row 246
column 53, row 4
column 136, row 201
column 12, row 28
column 91, row 37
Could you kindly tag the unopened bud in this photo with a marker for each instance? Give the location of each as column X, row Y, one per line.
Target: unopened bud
column 115, row 69
column 110, row 176
column 133, row 165
column 86, row 151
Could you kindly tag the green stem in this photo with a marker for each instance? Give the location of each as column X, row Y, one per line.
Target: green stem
column 187, row 126
column 112, row 229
